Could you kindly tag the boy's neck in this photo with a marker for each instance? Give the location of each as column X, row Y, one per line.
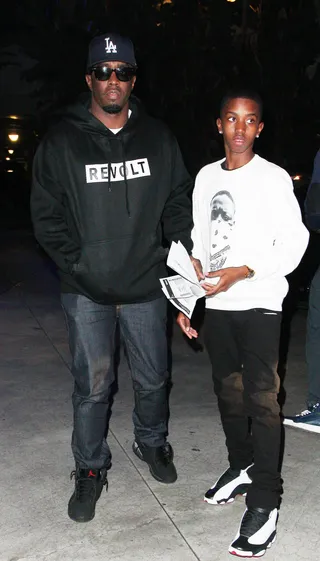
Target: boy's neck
column 235, row 161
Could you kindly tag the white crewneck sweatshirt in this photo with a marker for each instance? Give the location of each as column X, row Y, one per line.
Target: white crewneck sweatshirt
column 248, row 216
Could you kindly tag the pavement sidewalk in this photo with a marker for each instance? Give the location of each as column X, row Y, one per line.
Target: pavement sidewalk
column 137, row 518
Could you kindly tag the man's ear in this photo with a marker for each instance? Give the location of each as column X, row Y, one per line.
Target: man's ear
column 219, row 125
column 89, row 81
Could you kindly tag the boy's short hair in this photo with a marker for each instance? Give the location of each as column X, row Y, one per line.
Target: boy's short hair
column 244, row 94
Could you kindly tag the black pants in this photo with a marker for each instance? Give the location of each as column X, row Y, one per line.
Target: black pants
column 312, row 341
column 243, row 347
column 91, row 329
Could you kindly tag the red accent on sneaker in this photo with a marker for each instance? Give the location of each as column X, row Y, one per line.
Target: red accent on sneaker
column 92, row 474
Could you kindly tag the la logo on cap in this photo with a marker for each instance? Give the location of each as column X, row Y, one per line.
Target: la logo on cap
column 110, row 47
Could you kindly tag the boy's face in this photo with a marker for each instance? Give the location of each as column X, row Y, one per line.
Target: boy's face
column 240, row 124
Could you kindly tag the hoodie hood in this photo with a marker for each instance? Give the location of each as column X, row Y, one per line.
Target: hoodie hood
column 79, row 115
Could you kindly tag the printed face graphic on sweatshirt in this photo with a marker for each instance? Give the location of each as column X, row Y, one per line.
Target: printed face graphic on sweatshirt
column 222, row 223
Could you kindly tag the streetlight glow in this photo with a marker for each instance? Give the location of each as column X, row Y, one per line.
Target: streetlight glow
column 13, row 137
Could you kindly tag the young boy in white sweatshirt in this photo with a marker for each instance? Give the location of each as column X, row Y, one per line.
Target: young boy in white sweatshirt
column 248, row 235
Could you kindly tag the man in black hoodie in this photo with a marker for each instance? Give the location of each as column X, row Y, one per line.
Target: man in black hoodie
column 108, row 184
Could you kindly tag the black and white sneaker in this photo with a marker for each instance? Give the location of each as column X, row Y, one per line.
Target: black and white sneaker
column 256, row 534
column 159, row 460
column 231, row 483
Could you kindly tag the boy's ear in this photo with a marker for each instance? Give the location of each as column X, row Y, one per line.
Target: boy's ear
column 219, row 125
column 260, row 128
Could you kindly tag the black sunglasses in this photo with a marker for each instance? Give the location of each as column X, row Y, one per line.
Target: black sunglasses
column 123, row 73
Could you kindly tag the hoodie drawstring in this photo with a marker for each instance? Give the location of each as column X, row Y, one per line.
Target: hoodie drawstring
column 109, row 168
column 124, row 175
column 125, row 179
column 109, row 182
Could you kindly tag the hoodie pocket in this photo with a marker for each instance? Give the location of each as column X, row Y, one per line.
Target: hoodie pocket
column 119, row 267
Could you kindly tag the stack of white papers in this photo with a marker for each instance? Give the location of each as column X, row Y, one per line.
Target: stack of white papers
column 183, row 290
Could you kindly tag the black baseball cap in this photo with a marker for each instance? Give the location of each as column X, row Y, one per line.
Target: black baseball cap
column 110, row 47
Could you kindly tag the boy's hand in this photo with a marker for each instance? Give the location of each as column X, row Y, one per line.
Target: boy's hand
column 198, row 268
column 184, row 324
column 228, row 277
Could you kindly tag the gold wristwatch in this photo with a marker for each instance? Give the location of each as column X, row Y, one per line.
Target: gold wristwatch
column 250, row 274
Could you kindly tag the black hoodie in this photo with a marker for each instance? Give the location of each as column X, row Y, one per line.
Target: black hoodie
column 312, row 201
column 101, row 203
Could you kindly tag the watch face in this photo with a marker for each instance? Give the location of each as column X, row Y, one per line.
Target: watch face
column 250, row 273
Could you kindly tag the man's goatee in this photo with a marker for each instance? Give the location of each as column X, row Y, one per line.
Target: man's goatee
column 112, row 108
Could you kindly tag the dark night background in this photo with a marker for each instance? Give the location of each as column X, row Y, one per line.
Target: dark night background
column 189, row 53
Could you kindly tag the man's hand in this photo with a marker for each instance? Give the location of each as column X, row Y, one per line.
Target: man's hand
column 184, row 324
column 228, row 277
column 198, row 268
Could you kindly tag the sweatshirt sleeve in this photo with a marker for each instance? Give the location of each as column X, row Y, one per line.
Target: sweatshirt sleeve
column 291, row 236
column 199, row 250
column 48, row 212
column 177, row 214
column 312, row 202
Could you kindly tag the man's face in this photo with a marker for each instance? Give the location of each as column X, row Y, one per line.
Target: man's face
column 111, row 95
column 240, row 124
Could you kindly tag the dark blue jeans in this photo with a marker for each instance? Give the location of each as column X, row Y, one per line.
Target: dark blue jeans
column 313, row 341
column 91, row 329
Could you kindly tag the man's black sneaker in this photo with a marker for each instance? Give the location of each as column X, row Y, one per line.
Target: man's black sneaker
column 159, row 460
column 88, row 486
column 256, row 534
column 231, row 483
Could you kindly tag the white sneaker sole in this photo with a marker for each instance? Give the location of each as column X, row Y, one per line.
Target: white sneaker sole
column 302, row 426
column 248, row 554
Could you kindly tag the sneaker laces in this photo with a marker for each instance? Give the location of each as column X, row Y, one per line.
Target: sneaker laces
column 304, row 413
column 228, row 476
column 315, row 407
column 252, row 521
column 309, row 411
column 166, row 453
column 85, row 483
